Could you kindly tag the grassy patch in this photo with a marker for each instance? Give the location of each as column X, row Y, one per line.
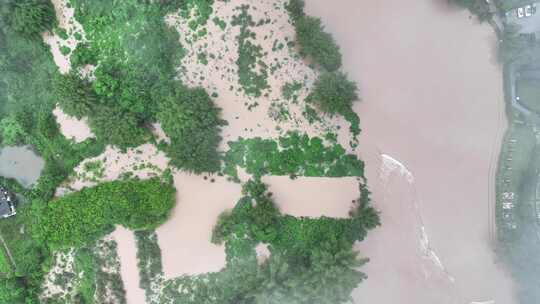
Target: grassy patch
column 529, row 94
column 516, row 164
column 6, row 269
column 252, row 71
column 293, row 154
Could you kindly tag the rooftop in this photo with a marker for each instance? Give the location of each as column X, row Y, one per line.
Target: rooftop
column 7, row 203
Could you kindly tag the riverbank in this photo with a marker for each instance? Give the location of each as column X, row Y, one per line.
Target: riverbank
column 432, row 99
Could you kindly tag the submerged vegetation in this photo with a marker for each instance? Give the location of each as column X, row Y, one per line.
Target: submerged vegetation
column 333, row 93
column 313, row 40
column 311, row 260
column 293, row 154
column 132, row 56
column 135, row 53
column 478, row 7
column 517, row 182
column 191, row 121
column 252, row 71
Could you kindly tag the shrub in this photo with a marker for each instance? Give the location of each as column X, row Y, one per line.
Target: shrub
column 85, row 216
column 12, row 131
column 191, row 120
column 295, row 9
column 333, row 93
column 32, row 17
column 74, row 94
column 317, row 43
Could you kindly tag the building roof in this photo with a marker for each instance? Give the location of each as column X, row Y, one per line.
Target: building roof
column 7, row 207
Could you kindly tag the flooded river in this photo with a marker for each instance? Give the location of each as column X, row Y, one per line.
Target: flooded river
column 432, row 116
column 20, row 163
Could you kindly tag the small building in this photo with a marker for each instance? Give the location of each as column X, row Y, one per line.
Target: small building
column 7, row 203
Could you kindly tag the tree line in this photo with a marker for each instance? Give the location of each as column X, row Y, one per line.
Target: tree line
column 333, row 92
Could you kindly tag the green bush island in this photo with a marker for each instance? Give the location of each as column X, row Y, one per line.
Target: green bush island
column 311, row 260
column 317, row 44
column 191, row 121
column 85, row 216
column 293, row 154
column 29, row 17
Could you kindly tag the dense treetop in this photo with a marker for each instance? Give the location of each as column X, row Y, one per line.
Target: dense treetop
column 85, row 216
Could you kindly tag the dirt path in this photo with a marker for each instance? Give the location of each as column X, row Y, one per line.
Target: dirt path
column 8, row 252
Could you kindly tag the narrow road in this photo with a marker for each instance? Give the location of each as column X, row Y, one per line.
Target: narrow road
column 8, row 252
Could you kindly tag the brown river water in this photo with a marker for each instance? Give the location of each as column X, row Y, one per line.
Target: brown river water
column 432, row 114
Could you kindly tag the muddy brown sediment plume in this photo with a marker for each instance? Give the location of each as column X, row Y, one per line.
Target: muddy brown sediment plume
column 431, row 98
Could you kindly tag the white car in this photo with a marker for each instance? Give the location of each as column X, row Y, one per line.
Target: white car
column 520, row 12
column 528, row 10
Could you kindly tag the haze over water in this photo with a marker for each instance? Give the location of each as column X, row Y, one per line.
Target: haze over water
column 432, row 102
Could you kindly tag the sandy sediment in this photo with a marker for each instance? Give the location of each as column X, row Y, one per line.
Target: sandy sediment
column 250, row 116
column 71, row 127
column 143, row 162
column 62, row 266
column 263, row 253
column 67, row 22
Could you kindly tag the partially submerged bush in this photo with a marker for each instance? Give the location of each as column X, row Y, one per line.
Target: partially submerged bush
column 85, row 216
column 191, row 120
column 317, row 44
column 333, row 93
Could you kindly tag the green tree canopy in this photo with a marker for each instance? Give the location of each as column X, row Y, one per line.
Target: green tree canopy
column 191, row 120
column 85, row 216
column 295, row 9
column 333, row 93
column 12, row 291
column 12, row 131
column 317, row 43
column 31, row 17
column 75, row 95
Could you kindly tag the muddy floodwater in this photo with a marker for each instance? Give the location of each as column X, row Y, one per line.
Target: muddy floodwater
column 20, row 163
column 432, row 115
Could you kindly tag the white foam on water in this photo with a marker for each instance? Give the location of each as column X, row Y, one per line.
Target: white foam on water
column 390, row 165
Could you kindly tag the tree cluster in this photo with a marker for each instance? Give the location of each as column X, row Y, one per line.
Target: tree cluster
column 478, row 7
column 191, row 121
column 135, row 84
column 313, row 40
column 333, row 93
column 293, row 154
column 28, row 17
column 311, row 260
column 85, row 216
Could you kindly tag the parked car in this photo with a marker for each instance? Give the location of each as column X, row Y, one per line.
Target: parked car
column 528, row 10
column 520, row 12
